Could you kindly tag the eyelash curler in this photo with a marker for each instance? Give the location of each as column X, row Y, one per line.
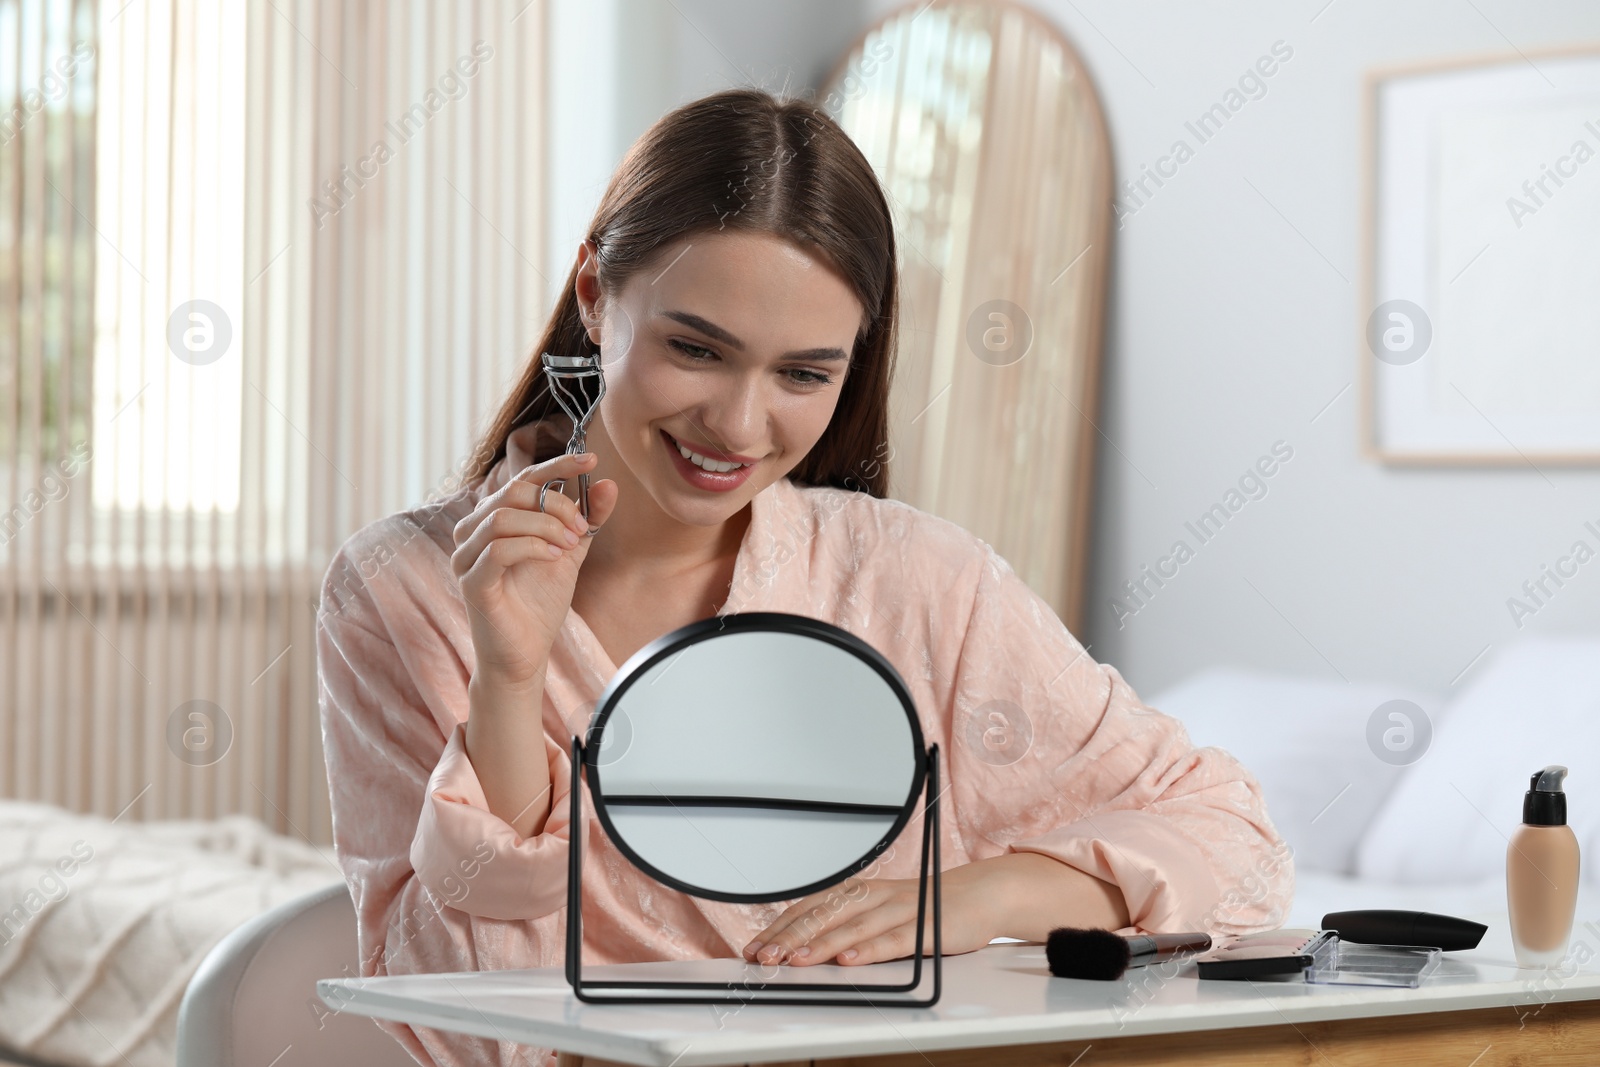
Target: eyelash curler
column 570, row 378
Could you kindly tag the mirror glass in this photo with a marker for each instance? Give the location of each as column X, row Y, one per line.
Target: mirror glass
column 755, row 757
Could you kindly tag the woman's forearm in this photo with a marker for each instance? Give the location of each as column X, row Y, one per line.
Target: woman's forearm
column 505, row 742
column 1045, row 894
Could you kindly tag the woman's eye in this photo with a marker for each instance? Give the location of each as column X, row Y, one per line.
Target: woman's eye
column 695, row 352
column 801, row 376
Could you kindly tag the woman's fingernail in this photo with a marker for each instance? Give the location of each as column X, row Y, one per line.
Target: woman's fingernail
column 583, row 524
column 572, row 538
column 804, row 950
column 850, row 954
column 755, row 948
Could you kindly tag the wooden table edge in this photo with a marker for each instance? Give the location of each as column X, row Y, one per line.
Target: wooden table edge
column 1556, row 1034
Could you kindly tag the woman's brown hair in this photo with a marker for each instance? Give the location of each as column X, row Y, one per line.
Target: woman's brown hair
column 743, row 159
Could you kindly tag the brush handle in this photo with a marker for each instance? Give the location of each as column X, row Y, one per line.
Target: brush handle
column 1153, row 948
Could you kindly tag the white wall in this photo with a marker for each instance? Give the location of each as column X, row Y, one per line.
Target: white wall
column 1232, row 325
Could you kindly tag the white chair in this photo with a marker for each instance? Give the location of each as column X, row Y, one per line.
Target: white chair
column 254, row 996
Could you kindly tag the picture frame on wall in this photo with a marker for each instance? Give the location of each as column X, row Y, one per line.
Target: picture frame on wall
column 1479, row 319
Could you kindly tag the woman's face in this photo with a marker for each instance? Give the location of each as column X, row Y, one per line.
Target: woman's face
column 732, row 348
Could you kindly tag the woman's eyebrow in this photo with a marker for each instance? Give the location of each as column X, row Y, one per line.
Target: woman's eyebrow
column 712, row 330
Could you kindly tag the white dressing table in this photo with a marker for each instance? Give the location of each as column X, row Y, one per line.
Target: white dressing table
column 1000, row 1006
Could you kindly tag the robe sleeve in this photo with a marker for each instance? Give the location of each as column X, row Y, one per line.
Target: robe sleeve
column 1054, row 753
column 439, row 883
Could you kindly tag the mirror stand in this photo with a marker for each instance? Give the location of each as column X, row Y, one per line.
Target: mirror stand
column 848, row 994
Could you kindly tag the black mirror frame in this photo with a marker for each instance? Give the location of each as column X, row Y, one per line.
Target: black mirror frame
column 756, row 990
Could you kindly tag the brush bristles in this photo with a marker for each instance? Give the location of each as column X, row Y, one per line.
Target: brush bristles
column 1096, row 955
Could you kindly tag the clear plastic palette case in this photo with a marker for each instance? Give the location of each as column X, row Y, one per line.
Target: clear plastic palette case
column 1336, row 962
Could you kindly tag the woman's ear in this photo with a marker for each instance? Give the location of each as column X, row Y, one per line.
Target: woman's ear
column 586, row 287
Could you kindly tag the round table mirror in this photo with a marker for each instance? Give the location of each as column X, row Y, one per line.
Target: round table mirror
column 757, row 757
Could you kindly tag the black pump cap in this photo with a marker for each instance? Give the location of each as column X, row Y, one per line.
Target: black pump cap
column 1545, row 803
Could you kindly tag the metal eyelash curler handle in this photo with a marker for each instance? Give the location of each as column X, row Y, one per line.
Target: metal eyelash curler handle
column 569, row 378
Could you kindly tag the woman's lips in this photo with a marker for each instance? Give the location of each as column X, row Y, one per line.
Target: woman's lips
column 699, row 477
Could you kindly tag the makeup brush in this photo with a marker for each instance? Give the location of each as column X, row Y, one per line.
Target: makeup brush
column 1102, row 956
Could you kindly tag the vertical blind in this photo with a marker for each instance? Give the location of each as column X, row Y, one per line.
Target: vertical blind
column 268, row 268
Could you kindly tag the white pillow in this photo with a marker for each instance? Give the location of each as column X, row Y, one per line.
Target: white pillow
column 1536, row 702
column 1305, row 740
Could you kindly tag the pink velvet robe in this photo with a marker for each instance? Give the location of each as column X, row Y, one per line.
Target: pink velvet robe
column 1042, row 749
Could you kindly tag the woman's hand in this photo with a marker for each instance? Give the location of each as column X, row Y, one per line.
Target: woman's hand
column 1016, row 894
column 518, row 566
column 867, row 920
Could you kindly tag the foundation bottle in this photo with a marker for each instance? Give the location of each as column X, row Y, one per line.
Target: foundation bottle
column 1542, row 873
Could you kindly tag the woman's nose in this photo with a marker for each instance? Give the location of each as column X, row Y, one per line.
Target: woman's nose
column 736, row 416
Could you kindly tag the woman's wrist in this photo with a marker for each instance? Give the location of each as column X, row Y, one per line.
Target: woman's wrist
column 493, row 691
column 505, row 745
column 1038, row 893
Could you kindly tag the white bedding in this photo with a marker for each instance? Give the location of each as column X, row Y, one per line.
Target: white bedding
column 1428, row 833
column 104, row 923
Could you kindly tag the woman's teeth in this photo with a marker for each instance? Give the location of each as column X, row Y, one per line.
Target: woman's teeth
column 705, row 463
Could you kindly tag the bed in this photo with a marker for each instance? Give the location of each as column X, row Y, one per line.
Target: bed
column 1373, row 826
column 107, row 920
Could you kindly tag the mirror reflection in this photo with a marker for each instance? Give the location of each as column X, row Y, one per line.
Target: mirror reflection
column 987, row 135
column 754, row 764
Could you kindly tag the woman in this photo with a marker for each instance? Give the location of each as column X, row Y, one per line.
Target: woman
column 739, row 283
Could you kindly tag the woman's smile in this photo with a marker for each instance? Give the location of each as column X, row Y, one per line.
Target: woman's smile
column 708, row 468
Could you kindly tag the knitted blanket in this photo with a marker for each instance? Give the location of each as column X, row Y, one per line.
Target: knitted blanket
column 103, row 923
